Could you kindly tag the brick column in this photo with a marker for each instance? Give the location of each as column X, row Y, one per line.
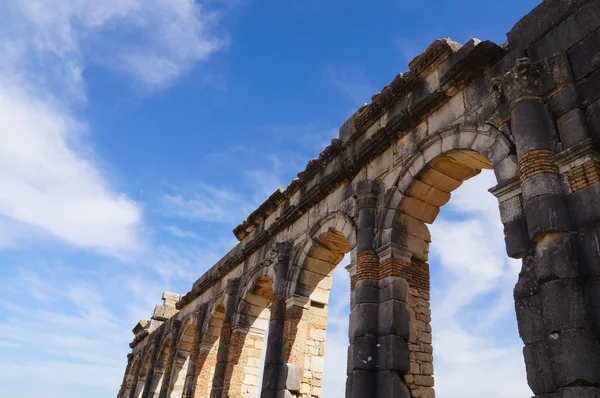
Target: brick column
column 220, row 379
column 553, row 310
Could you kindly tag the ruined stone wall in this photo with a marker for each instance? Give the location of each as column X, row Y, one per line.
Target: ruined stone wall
column 529, row 110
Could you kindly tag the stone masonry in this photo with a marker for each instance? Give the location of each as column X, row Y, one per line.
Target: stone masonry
column 530, row 111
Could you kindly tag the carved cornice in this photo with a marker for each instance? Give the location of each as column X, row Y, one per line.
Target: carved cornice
column 587, row 149
column 506, row 190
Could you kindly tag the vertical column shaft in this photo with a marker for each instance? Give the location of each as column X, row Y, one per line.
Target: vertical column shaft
column 553, row 311
column 220, row 384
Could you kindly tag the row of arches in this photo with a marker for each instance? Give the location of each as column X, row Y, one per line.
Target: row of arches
column 217, row 350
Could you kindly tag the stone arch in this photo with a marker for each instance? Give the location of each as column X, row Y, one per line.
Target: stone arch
column 426, row 179
column 181, row 359
column 314, row 260
column 131, row 376
column 209, row 346
column 143, row 374
column 164, row 353
column 308, row 295
column 251, row 321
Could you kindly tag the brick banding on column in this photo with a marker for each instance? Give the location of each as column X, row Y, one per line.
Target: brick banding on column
column 584, row 175
column 537, row 162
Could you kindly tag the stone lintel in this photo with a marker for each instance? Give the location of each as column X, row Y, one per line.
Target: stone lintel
column 163, row 313
column 392, row 250
column 506, row 190
column 297, row 301
column 578, row 154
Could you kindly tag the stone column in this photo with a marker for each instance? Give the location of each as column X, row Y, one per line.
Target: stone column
column 123, row 389
column 378, row 352
column 562, row 350
column 296, row 335
column 153, row 360
column 220, row 382
column 275, row 370
column 136, row 374
column 193, row 371
column 166, row 384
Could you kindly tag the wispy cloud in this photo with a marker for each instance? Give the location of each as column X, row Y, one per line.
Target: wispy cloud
column 351, row 83
column 53, row 184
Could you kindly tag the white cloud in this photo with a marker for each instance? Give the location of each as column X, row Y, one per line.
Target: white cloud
column 52, row 184
column 154, row 41
column 48, row 185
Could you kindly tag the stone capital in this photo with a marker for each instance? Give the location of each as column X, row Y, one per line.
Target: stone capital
column 524, row 81
column 366, row 192
column 351, row 269
column 506, row 190
column 297, row 301
column 392, row 250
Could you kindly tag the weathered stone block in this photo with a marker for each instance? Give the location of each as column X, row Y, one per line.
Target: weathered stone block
column 578, row 392
column 516, row 237
column 366, row 291
column 363, row 320
column 584, row 56
column 565, row 305
column 547, row 214
column 393, row 354
column 589, row 246
column 543, row 184
column 532, row 129
column 364, row 383
column 592, row 115
column 566, row 99
column 530, row 319
column 571, row 26
column 364, row 352
column 572, row 128
column 393, row 287
column 556, row 257
column 390, row 385
column 394, row 318
column 575, row 357
column 539, row 373
column 584, row 206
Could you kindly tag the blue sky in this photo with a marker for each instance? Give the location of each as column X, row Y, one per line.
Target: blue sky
column 134, row 135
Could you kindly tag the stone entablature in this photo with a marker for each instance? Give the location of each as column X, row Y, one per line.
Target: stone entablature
column 529, row 110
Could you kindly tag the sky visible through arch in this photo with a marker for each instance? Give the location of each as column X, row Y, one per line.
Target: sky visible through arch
column 134, row 135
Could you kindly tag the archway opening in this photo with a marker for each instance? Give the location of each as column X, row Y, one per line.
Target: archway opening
column 160, row 368
column 307, row 320
column 181, row 360
column 422, row 191
column 141, row 380
column 209, row 347
column 248, row 339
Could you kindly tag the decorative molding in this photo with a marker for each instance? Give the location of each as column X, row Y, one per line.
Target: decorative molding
column 578, row 154
column 393, row 250
column 506, row 190
column 297, row 301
